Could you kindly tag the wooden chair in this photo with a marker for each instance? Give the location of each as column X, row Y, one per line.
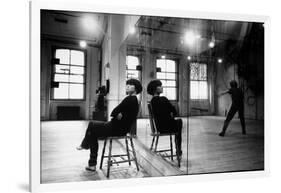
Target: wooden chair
column 156, row 134
column 124, row 157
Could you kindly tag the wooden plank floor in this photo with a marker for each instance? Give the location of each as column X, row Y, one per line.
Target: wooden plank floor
column 207, row 152
column 144, row 136
column 210, row 153
column 61, row 162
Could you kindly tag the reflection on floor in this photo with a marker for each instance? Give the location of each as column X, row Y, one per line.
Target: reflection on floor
column 210, row 153
column 144, row 136
column 207, row 152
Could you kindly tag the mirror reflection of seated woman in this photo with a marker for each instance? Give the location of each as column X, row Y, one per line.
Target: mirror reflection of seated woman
column 123, row 117
column 164, row 113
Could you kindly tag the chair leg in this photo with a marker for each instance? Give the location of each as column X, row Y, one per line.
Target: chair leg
column 134, row 152
column 103, row 151
column 109, row 158
column 177, row 152
column 127, row 148
column 171, row 146
column 152, row 143
column 156, row 143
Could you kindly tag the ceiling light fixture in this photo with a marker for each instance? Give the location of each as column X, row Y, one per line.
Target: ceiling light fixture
column 83, row 44
column 212, row 44
column 132, row 30
column 190, row 37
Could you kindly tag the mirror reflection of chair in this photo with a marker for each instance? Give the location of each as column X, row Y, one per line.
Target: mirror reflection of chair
column 122, row 157
column 156, row 134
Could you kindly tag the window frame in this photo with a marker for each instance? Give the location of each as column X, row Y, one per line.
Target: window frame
column 54, row 48
column 176, row 76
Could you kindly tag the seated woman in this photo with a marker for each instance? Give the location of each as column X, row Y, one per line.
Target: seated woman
column 164, row 113
column 123, row 116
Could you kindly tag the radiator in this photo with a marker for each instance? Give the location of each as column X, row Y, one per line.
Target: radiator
column 68, row 113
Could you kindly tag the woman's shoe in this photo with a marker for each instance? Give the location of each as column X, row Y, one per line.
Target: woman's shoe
column 221, row 134
column 91, row 168
column 80, row 148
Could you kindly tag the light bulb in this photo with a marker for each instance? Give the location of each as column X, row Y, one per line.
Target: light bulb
column 132, row 30
column 212, row 44
column 83, row 44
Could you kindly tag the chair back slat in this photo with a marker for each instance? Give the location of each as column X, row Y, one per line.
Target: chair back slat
column 151, row 119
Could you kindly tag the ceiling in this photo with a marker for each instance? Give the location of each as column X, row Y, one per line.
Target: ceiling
column 72, row 25
column 167, row 33
column 162, row 33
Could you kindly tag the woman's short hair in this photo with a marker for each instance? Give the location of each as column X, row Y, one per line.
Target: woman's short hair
column 136, row 83
column 233, row 84
column 152, row 86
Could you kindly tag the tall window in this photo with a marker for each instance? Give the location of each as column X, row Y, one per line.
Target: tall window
column 167, row 73
column 68, row 74
column 132, row 64
column 198, row 81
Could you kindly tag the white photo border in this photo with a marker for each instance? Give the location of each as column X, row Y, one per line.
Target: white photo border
column 34, row 146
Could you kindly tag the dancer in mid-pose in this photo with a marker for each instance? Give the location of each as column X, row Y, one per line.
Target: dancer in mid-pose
column 237, row 105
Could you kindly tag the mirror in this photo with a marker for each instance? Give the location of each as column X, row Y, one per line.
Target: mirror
column 195, row 60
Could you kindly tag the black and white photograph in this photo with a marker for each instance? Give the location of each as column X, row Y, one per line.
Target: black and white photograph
column 140, row 96
column 127, row 96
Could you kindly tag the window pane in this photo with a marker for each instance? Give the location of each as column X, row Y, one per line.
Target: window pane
column 168, row 83
column 76, row 78
column 171, row 83
column 77, row 57
column 198, row 71
column 62, row 69
column 76, row 70
column 193, row 89
column 132, row 62
column 170, row 93
column 63, row 55
column 133, row 74
column 61, row 92
column 166, row 65
column 171, row 76
column 76, row 91
column 61, row 78
column 203, row 90
column 203, row 72
column 198, row 90
column 161, row 75
column 161, row 63
column 171, row 66
column 194, row 71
